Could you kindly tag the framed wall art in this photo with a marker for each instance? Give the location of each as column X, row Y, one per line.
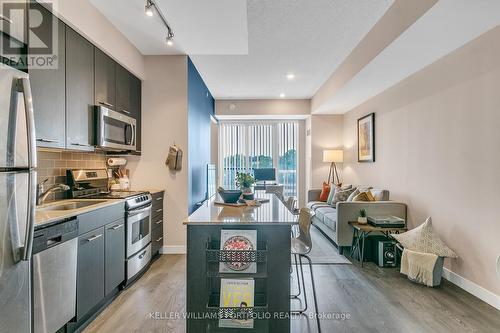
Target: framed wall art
column 366, row 138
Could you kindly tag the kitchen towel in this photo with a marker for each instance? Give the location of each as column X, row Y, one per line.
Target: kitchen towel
column 116, row 161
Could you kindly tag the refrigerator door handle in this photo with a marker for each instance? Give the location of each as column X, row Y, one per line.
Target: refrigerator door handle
column 30, row 121
column 30, row 129
column 30, row 225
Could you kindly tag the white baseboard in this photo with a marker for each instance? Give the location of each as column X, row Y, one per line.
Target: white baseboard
column 472, row 288
column 173, row 249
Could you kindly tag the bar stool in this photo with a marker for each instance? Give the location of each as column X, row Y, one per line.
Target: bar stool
column 290, row 204
column 301, row 246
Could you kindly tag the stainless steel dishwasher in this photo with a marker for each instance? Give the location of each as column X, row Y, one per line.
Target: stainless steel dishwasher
column 54, row 275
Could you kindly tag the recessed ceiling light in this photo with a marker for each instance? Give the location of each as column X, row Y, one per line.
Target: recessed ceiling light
column 290, row 76
column 282, row 95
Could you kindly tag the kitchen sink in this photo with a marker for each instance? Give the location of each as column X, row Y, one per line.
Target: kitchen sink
column 71, row 205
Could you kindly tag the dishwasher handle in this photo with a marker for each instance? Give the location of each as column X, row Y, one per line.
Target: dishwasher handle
column 54, row 240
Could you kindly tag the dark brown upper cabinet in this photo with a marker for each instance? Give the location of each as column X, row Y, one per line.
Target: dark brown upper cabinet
column 128, row 98
column 79, row 92
column 105, row 80
column 128, row 91
column 135, row 102
column 48, row 88
column 123, row 90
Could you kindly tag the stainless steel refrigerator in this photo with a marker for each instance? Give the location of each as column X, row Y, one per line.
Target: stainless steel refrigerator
column 17, row 199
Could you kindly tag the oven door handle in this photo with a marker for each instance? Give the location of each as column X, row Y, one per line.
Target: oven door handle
column 140, row 210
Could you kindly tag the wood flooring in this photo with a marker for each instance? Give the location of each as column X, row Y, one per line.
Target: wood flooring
column 372, row 299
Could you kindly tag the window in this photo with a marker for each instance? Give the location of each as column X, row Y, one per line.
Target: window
column 244, row 146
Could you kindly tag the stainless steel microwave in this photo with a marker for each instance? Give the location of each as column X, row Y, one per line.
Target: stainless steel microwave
column 115, row 131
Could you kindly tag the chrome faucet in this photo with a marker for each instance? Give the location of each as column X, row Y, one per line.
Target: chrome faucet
column 41, row 194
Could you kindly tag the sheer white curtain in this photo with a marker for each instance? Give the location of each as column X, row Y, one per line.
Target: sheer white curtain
column 244, row 146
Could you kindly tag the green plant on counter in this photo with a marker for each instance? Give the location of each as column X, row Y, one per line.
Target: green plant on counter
column 244, row 180
column 362, row 212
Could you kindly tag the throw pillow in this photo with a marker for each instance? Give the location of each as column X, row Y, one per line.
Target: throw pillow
column 370, row 196
column 353, row 194
column 377, row 194
column 424, row 239
column 330, row 196
column 363, row 196
column 341, row 195
column 325, row 191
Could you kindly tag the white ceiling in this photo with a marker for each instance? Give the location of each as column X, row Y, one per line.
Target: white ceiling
column 447, row 26
column 244, row 49
column 308, row 38
column 200, row 26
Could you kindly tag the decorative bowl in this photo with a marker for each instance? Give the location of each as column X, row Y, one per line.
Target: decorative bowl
column 230, row 196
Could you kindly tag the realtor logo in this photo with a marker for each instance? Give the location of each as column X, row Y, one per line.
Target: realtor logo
column 29, row 34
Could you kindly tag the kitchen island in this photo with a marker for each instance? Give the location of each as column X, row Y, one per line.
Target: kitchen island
column 272, row 222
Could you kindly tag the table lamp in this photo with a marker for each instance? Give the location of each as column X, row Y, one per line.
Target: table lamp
column 333, row 156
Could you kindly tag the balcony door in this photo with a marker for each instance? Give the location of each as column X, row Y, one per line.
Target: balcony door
column 244, row 146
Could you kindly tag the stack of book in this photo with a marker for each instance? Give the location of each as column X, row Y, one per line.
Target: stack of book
column 237, row 293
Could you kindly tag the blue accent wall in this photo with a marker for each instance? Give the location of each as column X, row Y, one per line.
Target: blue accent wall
column 201, row 106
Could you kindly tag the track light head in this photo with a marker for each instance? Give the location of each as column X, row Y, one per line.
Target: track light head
column 170, row 38
column 149, row 8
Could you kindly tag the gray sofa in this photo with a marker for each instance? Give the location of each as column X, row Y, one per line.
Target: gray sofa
column 334, row 221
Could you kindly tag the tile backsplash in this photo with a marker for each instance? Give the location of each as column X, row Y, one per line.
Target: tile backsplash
column 52, row 165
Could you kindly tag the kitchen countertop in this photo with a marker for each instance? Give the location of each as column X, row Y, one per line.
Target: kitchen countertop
column 43, row 217
column 150, row 190
column 273, row 212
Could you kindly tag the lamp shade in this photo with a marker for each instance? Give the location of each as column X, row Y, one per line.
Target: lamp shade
column 334, row 155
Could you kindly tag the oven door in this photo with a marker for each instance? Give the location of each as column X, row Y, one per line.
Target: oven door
column 115, row 131
column 138, row 229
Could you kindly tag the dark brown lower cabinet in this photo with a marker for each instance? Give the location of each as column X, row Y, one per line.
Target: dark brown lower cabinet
column 157, row 223
column 114, row 253
column 90, row 276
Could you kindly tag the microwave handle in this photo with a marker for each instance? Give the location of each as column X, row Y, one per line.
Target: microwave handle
column 133, row 134
column 100, row 127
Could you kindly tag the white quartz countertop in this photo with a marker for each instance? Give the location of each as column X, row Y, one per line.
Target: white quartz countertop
column 43, row 214
column 269, row 213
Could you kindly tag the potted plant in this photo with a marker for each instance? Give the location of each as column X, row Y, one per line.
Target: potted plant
column 245, row 182
column 362, row 216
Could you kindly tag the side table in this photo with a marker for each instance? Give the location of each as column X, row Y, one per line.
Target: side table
column 361, row 231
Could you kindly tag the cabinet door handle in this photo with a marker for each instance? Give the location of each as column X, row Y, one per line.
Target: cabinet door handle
column 127, row 112
column 159, row 210
column 159, row 198
column 159, row 239
column 106, row 104
column 159, row 221
column 47, row 140
column 93, row 238
column 80, row 144
column 142, row 254
column 116, row 227
column 6, row 19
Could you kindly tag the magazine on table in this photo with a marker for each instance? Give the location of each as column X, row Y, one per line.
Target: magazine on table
column 238, row 240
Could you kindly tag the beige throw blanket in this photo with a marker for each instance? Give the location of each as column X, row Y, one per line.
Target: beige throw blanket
column 418, row 266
